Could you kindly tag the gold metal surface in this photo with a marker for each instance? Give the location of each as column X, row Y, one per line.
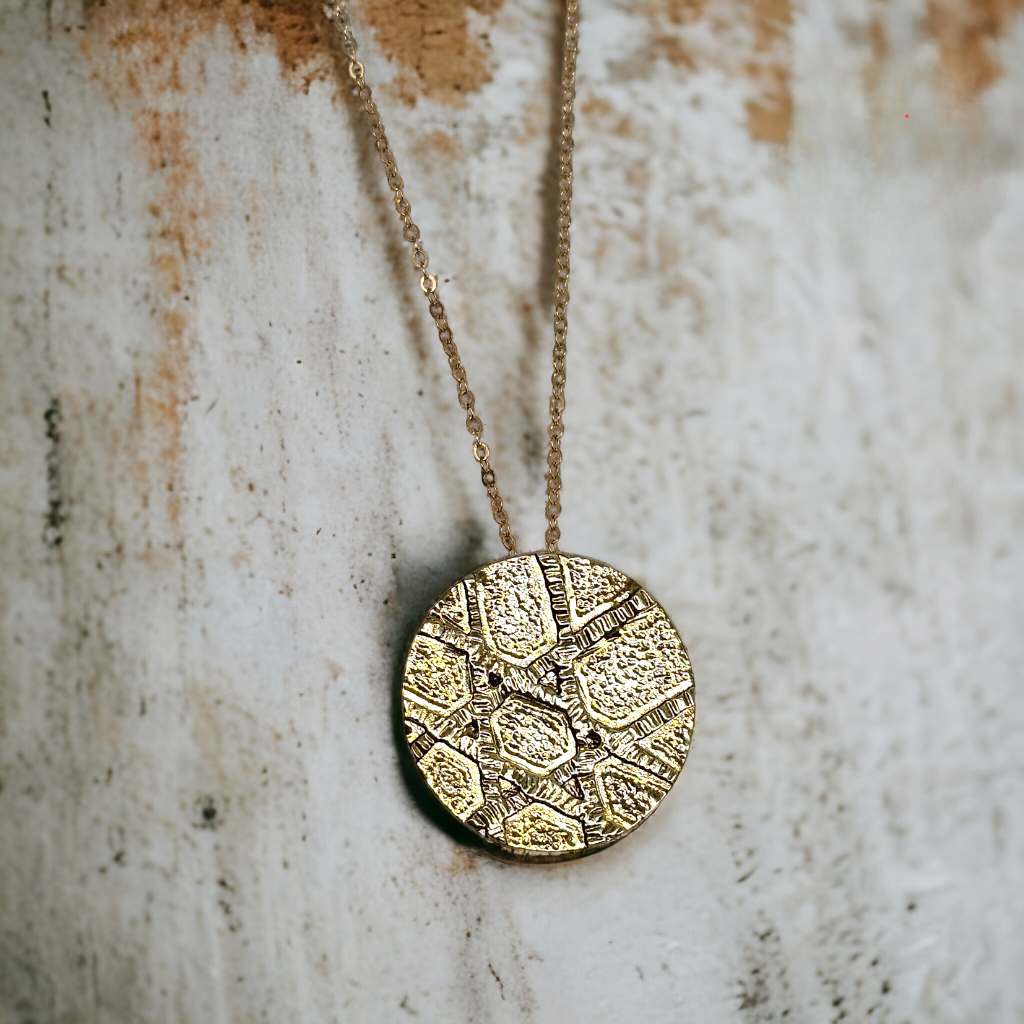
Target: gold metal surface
column 548, row 703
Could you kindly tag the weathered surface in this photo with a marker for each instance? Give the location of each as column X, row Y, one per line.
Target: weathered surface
column 234, row 476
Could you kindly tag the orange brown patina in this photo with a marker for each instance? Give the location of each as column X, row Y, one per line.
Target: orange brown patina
column 770, row 115
column 443, row 55
column 966, row 32
column 765, row 61
column 177, row 238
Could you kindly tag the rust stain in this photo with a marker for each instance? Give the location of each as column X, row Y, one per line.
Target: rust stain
column 638, row 177
column 179, row 233
column 463, row 862
column 624, row 127
column 443, row 56
column 682, row 11
column 965, row 32
column 146, row 40
column 879, row 45
column 176, row 239
column 673, row 50
column 765, row 61
column 141, row 53
column 595, row 106
column 614, row 122
column 440, row 52
column 770, row 116
column 436, row 144
column 137, row 73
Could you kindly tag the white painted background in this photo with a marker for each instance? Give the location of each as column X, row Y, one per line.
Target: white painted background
column 794, row 412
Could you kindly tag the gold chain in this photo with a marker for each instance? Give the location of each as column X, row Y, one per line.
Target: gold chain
column 556, row 428
column 336, row 11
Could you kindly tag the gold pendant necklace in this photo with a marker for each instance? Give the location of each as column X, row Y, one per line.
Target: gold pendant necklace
column 548, row 699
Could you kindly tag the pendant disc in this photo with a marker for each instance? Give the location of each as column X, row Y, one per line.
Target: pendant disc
column 548, row 704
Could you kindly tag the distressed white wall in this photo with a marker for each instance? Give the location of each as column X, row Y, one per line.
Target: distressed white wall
column 232, row 475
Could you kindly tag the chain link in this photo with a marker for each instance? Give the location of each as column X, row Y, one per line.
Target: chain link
column 336, row 12
column 556, row 408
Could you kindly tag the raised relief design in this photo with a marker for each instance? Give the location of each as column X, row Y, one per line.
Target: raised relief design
column 515, row 611
column 633, row 670
column 549, row 704
column 436, row 675
column 455, row 779
column 538, row 828
column 670, row 743
column 591, row 588
column 628, row 794
column 453, row 607
column 532, row 735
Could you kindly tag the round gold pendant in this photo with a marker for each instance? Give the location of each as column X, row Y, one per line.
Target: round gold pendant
column 549, row 704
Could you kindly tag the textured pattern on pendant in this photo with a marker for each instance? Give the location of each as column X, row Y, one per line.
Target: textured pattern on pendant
column 549, row 704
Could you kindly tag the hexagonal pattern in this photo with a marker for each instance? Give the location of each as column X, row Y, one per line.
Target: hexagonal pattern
column 548, row 703
column 538, row 828
column 454, row 778
column 532, row 735
column 627, row 793
column 625, row 676
column 437, row 675
column 515, row 610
